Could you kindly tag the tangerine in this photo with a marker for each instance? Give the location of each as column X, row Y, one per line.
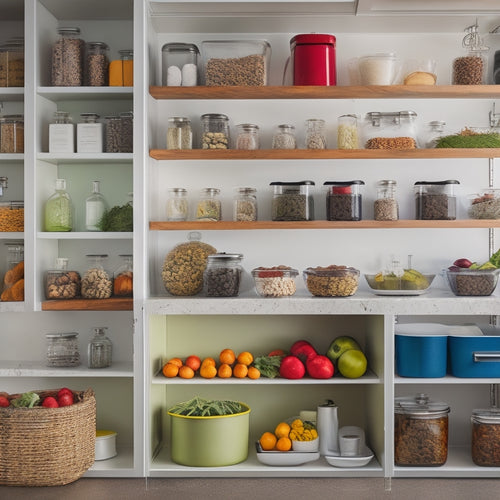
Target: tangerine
column 227, row 356
column 253, row 372
column 245, row 358
column 170, row 370
column 282, row 430
column 240, row 370
column 208, row 370
column 224, row 371
column 186, row 372
column 194, row 362
column 175, row 361
column 208, row 361
column 284, row 444
column 268, row 441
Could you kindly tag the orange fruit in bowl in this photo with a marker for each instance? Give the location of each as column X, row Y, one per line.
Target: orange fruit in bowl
column 170, row 370
column 186, row 372
column 245, row 358
column 194, row 362
column 240, row 370
column 224, row 371
column 282, row 430
column 284, row 444
column 227, row 356
column 267, row 441
column 176, row 361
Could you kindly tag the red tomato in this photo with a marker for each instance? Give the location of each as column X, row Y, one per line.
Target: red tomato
column 4, row 402
column 64, row 390
column 319, row 367
column 65, row 399
column 50, row 402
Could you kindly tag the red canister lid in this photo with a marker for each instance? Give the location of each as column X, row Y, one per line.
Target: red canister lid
column 313, row 38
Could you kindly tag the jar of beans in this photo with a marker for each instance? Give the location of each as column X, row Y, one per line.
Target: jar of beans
column 390, row 130
column 247, row 136
column 12, row 134
column 436, row 200
column 96, row 67
column 486, row 437
column 223, row 274
column 245, row 204
column 284, row 137
column 67, row 58
column 292, row 201
column 315, row 134
column 386, row 204
column 344, row 200
column 214, row 131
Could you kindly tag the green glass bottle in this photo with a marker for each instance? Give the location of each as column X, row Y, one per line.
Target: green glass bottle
column 59, row 209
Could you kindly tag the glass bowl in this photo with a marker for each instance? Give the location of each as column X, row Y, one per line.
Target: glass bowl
column 278, row 281
column 473, row 282
column 331, row 281
column 485, row 204
column 389, row 285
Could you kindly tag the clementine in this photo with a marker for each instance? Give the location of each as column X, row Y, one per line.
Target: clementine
column 186, row 372
column 267, row 441
column 170, row 370
column 245, row 358
column 240, row 370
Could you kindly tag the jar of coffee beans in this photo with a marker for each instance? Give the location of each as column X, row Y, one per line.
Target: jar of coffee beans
column 486, row 437
column 292, row 201
column 344, row 200
column 436, row 200
column 67, row 58
column 223, row 275
column 386, row 204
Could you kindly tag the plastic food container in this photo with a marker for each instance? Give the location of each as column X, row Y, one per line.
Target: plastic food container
column 485, row 204
column 11, row 216
column 435, row 200
column 486, row 437
column 420, row 431
column 235, row 62
column 377, row 69
column 390, row 130
column 292, row 201
column 475, row 282
column 180, row 64
column 276, row 281
column 331, row 281
column 344, row 200
column 105, row 444
column 223, row 275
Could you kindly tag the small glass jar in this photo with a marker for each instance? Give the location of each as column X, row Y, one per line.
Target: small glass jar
column 436, row 200
column 97, row 63
column 62, row 350
column 209, row 205
column 12, row 64
column 126, row 132
column 470, row 69
column 60, row 283
column 245, row 204
column 11, row 216
column 123, row 278
column 344, row 200
column 59, row 209
column 67, row 58
column 347, row 132
column 420, row 432
column 386, row 205
column 223, row 275
column 214, row 131
column 61, row 133
column 435, row 131
column 284, row 137
column 100, row 349
column 89, row 134
column 247, row 136
column 177, row 204
column 180, row 64
column 12, row 134
column 97, row 282
column 179, row 133
column 121, row 71
column 486, row 437
column 390, row 130
column 292, row 201
column 315, row 134
column 95, row 207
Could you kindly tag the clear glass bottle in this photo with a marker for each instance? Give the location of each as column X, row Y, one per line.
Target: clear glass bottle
column 223, row 274
column 245, row 204
column 61, row 133
column 315, row 134
column 247, row 136
column 386, row 205
column 177, row 204
column 179, row 133
column 209, row 205
column 97, row 283
column 180, row 64
column 347, row 132
column 95, row 206
column 123, row 277
column 12, row 134
column 61, row 283
column 89, row 134
column 96, row 68
column 121, row 71
column 100, row 349
column 67, row 58
column 435, row 130
column 214, row 131
column 62, row 350
column 284, row 137
column 59, row 209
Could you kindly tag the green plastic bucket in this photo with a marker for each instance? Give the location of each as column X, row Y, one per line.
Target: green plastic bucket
column 210, row 441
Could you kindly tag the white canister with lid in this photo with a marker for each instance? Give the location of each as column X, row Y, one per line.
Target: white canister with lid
column 377, row 69
column 328, row 428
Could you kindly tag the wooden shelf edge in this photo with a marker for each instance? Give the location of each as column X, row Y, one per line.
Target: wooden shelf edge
column 112, row 304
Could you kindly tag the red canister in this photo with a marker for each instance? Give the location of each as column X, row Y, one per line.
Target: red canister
column 313, row 58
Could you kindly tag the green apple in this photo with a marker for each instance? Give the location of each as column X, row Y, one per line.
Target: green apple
column 339, row 346
column 352, row 364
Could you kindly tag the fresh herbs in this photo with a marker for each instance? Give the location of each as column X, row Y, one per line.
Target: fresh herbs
column 117, row 218
column 269, row 366
column 199, row 407
column 469, row 139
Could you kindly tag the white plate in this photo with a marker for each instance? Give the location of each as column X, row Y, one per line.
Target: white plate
column 358, row 461
column 285, row 458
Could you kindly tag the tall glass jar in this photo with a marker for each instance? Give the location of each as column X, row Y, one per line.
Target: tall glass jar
column 12, row 134
column 95, row 206
column 347, row 132
column 209, row 205
column 315, row 134
column 177, row 204
column 67, row 58
column 12, row 64
column 61, row 283
column 470, row 69
column 435, row 130
column 180, row 64
column 121, row 71
column 100, row 349
column 214, row 131
column 223, row 275
column 15, row 265
column 245, row 204
column 247, row 136
column 284, row 137
column 89, row 134
column 386, row 205
column 97, row 283
column 59, row 209
column 61, row 133
column 96, row 67
column 62, row 350
column 179, row 133
column 123, row 277
column 127, row 132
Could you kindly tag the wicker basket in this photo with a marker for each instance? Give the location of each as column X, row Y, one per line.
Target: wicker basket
column 47, row 446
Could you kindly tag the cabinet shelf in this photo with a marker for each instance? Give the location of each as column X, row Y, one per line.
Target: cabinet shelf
column 85, row 235
column 85, row 93
column 38, row 369
column 112, row 304
column 85, row 158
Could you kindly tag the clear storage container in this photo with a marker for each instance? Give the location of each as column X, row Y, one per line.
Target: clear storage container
column 223, row 275
column 245, row 204
column 292, row 201
column 95, row 206
column 180, row 64
column 179, row 133
column 390, row 130
column 12, row 134
column 315, row 134
column 235, row 62
column 89, row 134
column 277, row 281
column 123, row 277
column 344, row 200
column 119, row 133
column 386, row 205
column 11, row 216
column 97, row 283
column 486, row 437
column 61, row 133
column 62, row 350
column 67, row 58
column 100, row 349
column 377, row 69
column 347, row 132
column 12, row 64
column 96, row 67
column 214, row 131
column 485, row 204
column 209, row 205
column 436, row 200
column 435, row 131
column 177, row 204
column 61, row 283
column 284, row 137
column 247, row 136
column 121, row 71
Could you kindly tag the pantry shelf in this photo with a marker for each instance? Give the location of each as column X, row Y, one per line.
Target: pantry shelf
column 112, row 304
column 85, row 93
column 86, row 158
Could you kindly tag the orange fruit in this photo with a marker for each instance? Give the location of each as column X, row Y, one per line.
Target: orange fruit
column 245, row 358
column 240, row 370
column 208, row 361
column 186, row 372
column 227, row 356
column 224, row 371
column 175, row 361
column 282, row 430
column 208, row 370
column 253, row 372
column 284, row 444
column 170, row 370
column 267, row 441
column 194, row 362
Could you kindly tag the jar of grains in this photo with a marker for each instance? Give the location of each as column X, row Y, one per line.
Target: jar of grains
column 247, row 136
column 347, row 132
column 284, row 137
column 180, row 64
column 292, row 201
column 97, row 283
column 179, row 133
column 11, row 216
column 96, row 67
column 12, row 63
column 245, row 204
column 209, row 205
column 436, row 200
column 486, row 437
column 343, row 200
column 12, row 134
column 62, row 349
column 223, row 275
column 61, row 283
column 390, row 130
column 177, row 204
column 386, row 204
column 214, row 131
column 315, row 134
column 420, row 431
column 67, row 58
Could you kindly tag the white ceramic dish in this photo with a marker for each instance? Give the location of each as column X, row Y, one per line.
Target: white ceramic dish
column 306, row 446
column 284, row 458
column 105, row 445
column 359, row 461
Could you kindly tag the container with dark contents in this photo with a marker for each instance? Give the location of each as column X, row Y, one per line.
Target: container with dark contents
column 420, row 432
column 486, row 437
column 214, row 131
column 62, row 350
column 67, row 58
column 470, row 282
column 386, row 205
column 344, row 200
column 97, row 283
column 436, row 200
column 12, row 63
column 96, row 64
column 390, row 130
column 223, row 275
column 61, row 283
column 12, row 134
column 292, row 201
column 119, row 133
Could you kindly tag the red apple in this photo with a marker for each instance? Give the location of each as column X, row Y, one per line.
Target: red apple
column 319, row 367
column 292, row 368
column 303, row 349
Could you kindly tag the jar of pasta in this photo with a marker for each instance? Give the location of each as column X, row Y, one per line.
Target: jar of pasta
column 209, row 205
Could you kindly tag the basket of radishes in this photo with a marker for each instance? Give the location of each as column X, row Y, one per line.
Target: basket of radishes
column 47, row 438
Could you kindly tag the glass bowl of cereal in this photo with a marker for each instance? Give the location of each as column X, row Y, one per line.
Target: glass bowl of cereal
column 277, row 281
column 331, row 281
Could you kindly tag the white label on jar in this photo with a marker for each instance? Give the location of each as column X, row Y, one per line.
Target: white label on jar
column 89, row 138
column 61, row 138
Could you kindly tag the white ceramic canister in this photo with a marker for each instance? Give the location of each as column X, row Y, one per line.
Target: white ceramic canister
column 328, row 427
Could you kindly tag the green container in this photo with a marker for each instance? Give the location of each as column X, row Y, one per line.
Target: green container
column 210, row 441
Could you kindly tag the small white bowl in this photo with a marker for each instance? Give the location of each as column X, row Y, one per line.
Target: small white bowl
column 306, row 446
column 105, row 445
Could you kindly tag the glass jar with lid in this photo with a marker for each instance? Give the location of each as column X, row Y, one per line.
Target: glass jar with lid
column 247, row 136
column 67, row 58
column 11, row 216
column 61, row 283
column 315, row 134
column 123, row 277
column 209, row 205
column 214, row 131
column 127, row 132
column 177, row 204
column 223, row 275
column 179, row 133
column 100, row 349
column 284, row 137
column 89, row 134
column 12, row 63
column 386, row 205
column 344, row 200
column 245, row 204
column 14, row 264
column 347, row 132
column 96, row 68
column 12, row 134
column 62, row 350
column 121, row 71
column 292, row 201
column 420, row 431
column 59, row 209
column 180, row 64
column 390, row 130
column 436, row 200
column 61, row 133
column 97, row 283
column 486, row 437
column 435, row 131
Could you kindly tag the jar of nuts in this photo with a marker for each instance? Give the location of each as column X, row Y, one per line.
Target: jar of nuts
column 214, row 131
column 60, row 283
column 486, row 437
column 97, row 283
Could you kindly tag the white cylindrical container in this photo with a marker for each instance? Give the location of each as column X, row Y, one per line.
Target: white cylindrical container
column 328, row 428
column 89, row 134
